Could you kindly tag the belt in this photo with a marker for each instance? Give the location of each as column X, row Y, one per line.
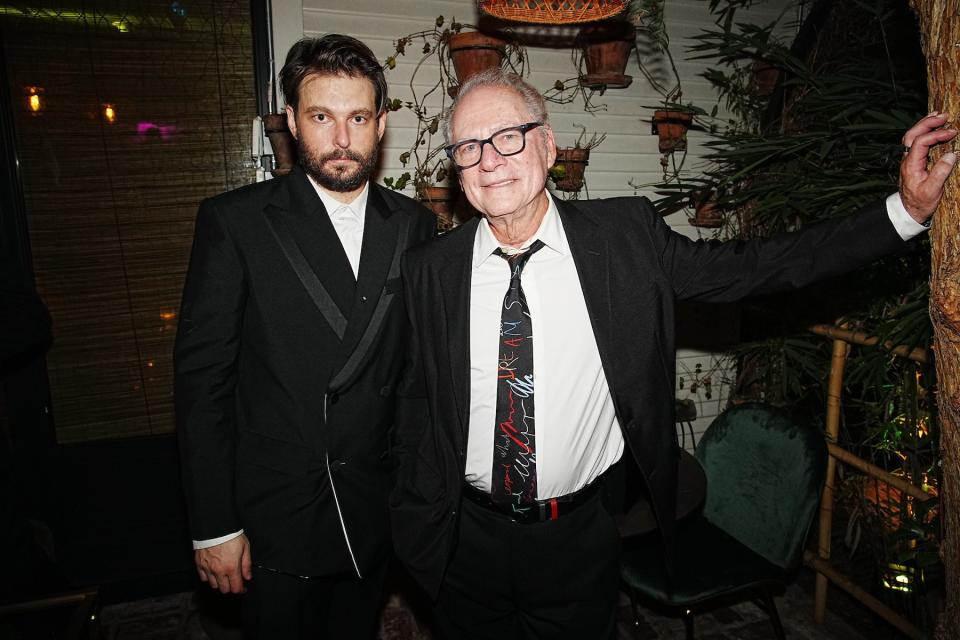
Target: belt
column 539, row 511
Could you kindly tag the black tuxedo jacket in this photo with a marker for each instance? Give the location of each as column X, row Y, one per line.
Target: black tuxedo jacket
column 632, row 269
column 285, row 374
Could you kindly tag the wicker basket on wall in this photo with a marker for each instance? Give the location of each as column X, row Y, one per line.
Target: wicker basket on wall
column 552, row 11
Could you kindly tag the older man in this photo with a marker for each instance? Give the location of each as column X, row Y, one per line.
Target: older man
column 498, row 511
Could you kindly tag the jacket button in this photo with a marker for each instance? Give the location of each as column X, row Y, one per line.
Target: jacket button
column 334, row 398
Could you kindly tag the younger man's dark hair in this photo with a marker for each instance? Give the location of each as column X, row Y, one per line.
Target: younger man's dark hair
column 333, row 54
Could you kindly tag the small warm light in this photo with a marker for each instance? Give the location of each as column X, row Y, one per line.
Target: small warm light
column 149, row 364
column 898, row 578
column 34, row 99
column 109, row 113
column 168, row 315
column 121, row 25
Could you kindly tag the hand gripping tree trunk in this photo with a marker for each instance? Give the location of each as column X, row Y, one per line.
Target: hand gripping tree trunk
column 940, row 32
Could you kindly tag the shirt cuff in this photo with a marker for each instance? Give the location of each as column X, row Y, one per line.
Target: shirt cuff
column 212, row 542
column 905, row 225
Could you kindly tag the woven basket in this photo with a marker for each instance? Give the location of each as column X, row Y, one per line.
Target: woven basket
column 552, row 11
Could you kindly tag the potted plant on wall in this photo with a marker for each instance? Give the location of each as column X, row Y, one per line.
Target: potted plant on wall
column 671, row 118
column 706, row 214
column 567, row 172
column 606, row 48
column 670, row 124
column 473, row 51
column 454, row 54
column 281, row 141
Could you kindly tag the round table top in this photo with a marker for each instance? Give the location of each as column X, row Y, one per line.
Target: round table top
column 691, row 491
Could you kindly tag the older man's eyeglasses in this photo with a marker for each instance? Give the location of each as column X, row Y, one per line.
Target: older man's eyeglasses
column 506, row 142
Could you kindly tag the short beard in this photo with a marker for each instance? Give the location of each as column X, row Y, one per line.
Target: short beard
column 340, row 181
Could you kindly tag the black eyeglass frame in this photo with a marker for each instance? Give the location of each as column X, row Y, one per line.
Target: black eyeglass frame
column 523, row 129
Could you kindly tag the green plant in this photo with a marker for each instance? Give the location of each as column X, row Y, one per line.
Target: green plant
column 425, row 155
column 567, row 171
column 827, row 143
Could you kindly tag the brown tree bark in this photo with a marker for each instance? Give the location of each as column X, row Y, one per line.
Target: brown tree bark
column 940, row 33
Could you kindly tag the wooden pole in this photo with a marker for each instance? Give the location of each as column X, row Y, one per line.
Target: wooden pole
column 905, row 486
column 917, row 354
column 837, row 363
column 823, row 568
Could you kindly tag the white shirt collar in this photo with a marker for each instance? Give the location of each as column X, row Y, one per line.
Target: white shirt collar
column 357, row 208
column 550, row 233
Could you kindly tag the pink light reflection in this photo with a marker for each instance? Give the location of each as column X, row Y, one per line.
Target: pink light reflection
column 146, row 130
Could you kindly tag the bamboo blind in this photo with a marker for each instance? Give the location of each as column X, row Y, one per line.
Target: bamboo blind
column 110, row 206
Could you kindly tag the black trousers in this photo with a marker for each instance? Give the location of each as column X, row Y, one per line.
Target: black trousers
column 549, row 580
column 278, row 605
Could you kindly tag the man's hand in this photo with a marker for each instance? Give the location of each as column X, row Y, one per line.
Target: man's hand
column 920, row 190
column 225, row 566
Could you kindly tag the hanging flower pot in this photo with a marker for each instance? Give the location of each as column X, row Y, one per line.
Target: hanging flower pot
column 606, row 49
column 567, row 171
column 671, row 127
column 472, row 52
column 282, row 142
column 765, row 76
column 440, row 200
column 705, row 213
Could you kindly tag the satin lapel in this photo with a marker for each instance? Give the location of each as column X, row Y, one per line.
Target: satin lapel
column 592, row 257
column 303, row 229
column 455, row 279
column 384, row 238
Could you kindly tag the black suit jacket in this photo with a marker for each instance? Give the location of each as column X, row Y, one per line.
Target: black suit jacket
column 285, row 374
column 632, row 269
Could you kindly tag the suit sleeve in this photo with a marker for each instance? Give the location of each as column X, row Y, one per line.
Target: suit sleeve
column 412, row 409
column 411, row 390
column 205, row 372
column 712, row 271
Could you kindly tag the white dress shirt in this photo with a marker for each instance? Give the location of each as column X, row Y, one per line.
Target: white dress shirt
column 347, row 221
column 577, row 434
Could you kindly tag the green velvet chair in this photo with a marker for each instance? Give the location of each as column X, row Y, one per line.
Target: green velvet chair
column 765, row 471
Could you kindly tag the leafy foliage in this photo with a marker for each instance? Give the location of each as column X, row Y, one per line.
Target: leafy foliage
column 825, row 143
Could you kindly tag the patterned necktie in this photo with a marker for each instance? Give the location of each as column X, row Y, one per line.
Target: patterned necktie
column 514, row 453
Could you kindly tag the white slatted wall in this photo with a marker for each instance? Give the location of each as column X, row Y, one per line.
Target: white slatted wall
column 629, row 153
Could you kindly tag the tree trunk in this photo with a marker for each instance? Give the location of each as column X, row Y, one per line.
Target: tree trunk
column 940, row 32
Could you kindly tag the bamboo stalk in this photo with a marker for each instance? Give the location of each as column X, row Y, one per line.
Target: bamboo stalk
column 837, row 363
column 905, row 486
column 917, row 354
column 51, row 602
column 823, row 568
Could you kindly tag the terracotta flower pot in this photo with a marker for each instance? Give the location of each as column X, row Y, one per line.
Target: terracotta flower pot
column 282, row 142
column 671, row 127
column 706, row 215
column 606, row 49
column 572, row 162
column 440, row 200
column 472, row 52
column 765, row 76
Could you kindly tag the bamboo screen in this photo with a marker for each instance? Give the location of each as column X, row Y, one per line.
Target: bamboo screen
column 128, row 113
